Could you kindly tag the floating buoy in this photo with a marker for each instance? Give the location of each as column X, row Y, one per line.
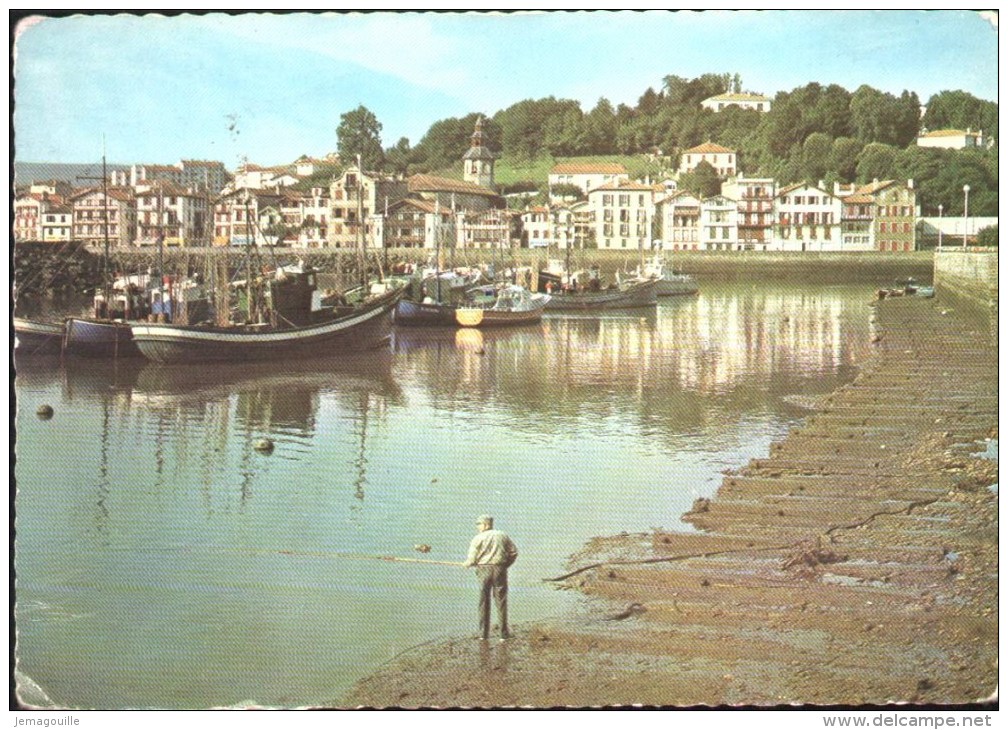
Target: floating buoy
column 44, row 411
column 263, row 445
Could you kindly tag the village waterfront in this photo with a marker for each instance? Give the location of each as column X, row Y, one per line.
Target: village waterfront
column 162, row 561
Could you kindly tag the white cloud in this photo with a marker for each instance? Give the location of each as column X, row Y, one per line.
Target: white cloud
column 991, row 16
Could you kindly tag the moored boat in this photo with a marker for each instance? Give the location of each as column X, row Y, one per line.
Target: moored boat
column 32, row 337
column 669, row 283
column 296, row 324
column 632, row 294
column 489, row 306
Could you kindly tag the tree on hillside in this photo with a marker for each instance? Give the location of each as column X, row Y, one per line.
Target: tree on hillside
column 398, row 158
column 880, row 117
column 447, row 140
column 359, row 133
column 960, row 110
column 844, row 157
column 601, row 128
column 815, row 156
column 702, row 181
column 875, row 162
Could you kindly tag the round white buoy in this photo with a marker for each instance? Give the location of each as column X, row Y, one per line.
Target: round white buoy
column 44, row 411
column 264, row 445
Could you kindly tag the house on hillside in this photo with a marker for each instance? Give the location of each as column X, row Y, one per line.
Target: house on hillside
column 756, row 102
column 586, row 175
column 953, row 139
column 722, row 159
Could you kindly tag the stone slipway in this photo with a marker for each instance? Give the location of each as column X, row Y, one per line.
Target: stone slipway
column 856, row 564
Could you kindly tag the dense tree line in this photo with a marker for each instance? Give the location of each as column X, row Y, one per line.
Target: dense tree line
column 811, row 133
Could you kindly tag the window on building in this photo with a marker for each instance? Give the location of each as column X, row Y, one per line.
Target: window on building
column 607, row 199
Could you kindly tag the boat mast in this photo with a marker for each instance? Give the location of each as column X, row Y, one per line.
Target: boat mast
column 360, row 227
column 105, row 226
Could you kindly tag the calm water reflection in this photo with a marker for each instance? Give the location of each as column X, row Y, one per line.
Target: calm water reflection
column 164, row 562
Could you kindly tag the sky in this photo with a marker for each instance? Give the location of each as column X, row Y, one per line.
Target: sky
column 269, row 88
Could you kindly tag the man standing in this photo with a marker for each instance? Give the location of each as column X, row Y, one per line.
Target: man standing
column 492, row 552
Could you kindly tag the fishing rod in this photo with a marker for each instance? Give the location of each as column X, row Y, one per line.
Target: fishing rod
column 316, row 554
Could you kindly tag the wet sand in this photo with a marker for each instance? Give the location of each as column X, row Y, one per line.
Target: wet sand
column 856, row 563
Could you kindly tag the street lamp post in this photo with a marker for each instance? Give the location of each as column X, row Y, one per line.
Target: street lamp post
column 965, row 212
column 939, row 225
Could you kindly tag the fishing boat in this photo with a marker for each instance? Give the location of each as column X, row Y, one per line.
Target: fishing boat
column 285, row 317
column 630, row 295
column 584, row 290
column 32, row 337
column 435, row 296
column 669, row 283
column 135, row 298
column 490, row 306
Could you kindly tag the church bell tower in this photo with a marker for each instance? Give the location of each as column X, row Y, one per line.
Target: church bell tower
column 478, row 162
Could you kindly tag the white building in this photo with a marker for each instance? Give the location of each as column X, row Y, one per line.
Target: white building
column 718, row 103
column 722, row 159
column 719, row 224
column 680, row 222
column 95, row 216
column 952, row 139
column 624, row 213
column 178, row 215
column 586, row 176
column 537, row 227
column 807, row 219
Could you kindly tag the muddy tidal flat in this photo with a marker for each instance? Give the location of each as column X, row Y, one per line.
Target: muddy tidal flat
column 855, row 563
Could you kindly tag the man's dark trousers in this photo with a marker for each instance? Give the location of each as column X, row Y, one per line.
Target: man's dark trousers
column 493, row 579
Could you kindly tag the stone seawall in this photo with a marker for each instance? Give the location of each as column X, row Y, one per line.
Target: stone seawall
column 968, row 279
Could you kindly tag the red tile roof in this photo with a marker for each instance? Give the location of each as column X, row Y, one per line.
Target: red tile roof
column 626, row 185
column 433, row 184
column 709, row 148
column 588, row 168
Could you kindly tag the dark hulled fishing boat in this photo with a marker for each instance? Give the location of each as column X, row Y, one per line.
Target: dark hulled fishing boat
column 292, row 321
column 628, row 296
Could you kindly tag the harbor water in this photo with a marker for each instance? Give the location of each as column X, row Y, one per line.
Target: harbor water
column 164, row 561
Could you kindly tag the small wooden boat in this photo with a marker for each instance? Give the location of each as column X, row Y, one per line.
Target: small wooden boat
column 489, row 306
column 297, row 326
column 411, row 313
column 92, row 337
column 32, row 337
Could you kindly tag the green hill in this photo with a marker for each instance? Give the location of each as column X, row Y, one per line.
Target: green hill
column 509, row 171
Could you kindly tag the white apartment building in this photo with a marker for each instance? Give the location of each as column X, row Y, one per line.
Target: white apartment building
column 807, row 219
column 722, row 159
column 95, row 215
column 719, row 224
column 586, row 176
column 178, row 215
column 680, row 222
column 624, row 213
